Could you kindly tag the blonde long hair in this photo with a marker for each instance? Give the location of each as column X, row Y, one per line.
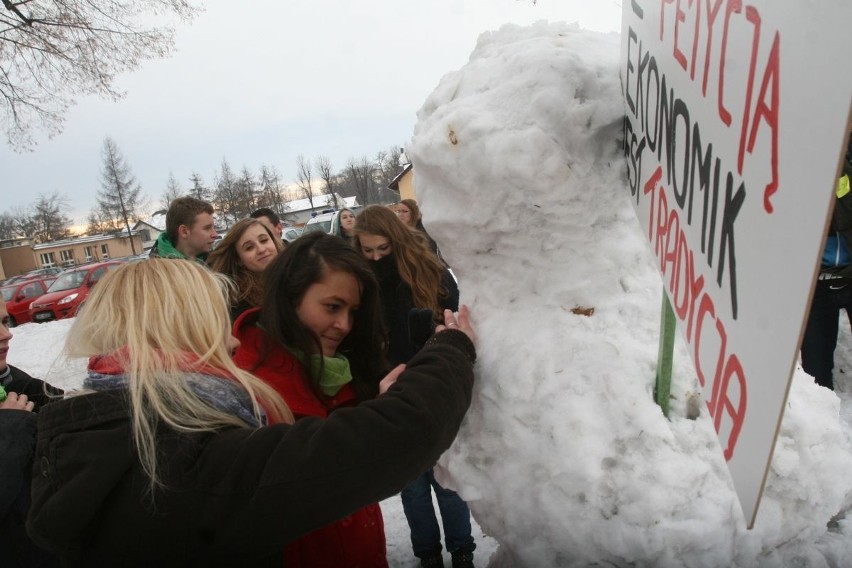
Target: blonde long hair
column 417, row 265
column 158, row 317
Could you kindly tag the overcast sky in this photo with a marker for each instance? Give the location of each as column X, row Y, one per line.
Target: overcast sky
column 272, row 79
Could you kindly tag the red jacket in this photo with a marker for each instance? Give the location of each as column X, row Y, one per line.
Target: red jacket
column 354, row 541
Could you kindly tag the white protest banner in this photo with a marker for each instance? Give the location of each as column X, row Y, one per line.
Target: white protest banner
column 736, row 114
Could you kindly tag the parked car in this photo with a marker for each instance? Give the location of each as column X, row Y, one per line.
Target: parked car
column 44, row 272
column 290, row 234
column 69, row 291
column 19, row 295
column 37, row 274
column 325, row 221
column 322, row 222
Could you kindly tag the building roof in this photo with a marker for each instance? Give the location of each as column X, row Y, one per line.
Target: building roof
column 156, row 221
column 320, row 202
column 82, row 240
column 394, row 184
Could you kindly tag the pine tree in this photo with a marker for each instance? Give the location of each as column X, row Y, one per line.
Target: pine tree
column 120, row 195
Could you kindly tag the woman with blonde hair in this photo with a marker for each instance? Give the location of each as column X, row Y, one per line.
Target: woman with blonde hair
column 165, row 458
column 415, row 288
column 243, row 255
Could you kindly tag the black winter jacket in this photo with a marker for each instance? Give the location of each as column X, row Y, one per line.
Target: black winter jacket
column 236, row 497
column 17, row 442
column 403, row 321
column 39, row 392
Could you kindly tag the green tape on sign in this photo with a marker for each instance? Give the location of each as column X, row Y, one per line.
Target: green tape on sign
column 668, row 324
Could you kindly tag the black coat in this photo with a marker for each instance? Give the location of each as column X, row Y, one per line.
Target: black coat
column 36, row 390
column 17, row 441
column 408, row 328
column 236, row 497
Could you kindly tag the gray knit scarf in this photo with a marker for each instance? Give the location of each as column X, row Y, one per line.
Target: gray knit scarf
column 222, row 394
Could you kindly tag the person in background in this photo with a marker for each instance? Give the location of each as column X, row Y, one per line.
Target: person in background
column 318, row 340
column 415, row 289
column 345, row 225
column 409, row 213
column 166, row 459
column 189, row 233
column 243, row 255
column 21, row 397
column 270, row 219
column 833, row 292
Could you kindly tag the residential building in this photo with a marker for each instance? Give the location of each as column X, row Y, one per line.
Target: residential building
column 403, row 183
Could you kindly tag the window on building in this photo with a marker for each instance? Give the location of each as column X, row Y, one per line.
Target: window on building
column 104, row 251
column 47, row 260
column 66, row 256
column 90, row 254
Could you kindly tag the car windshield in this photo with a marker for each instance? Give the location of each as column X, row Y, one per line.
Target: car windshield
column 68, row 281
column 8, row 292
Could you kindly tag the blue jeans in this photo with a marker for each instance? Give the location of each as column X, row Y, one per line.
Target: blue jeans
column 455, row 516
column 830, row 298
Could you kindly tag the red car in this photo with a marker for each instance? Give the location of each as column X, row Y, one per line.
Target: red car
column 19, row 295
column 69, row 291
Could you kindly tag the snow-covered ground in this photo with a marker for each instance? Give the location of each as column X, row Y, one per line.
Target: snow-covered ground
column 564, row 458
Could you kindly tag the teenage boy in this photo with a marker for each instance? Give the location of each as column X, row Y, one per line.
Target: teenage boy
column 189, row 234
column 268, row 217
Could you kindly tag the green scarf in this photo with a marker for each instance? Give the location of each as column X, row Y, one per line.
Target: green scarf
column 165, row 249
column 335, row 371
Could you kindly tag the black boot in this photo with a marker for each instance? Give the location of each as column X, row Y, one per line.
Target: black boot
column 434, row 560
column 463, row 559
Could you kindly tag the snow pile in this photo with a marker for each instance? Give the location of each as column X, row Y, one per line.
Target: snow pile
column 565, row 459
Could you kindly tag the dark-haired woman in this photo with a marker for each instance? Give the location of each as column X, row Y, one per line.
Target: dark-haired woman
column 344, row 226
column 318, row 340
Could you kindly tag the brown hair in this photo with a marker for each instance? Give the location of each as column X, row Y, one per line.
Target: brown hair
column 182, row 211
column 415, row 212
column 417, row 265
column 226, row 259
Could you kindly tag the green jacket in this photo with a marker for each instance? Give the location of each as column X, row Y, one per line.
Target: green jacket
column 163, row 248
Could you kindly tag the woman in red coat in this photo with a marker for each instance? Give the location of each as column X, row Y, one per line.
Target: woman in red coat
column 318, row 340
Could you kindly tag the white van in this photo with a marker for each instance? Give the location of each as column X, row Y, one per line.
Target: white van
column 324, row 222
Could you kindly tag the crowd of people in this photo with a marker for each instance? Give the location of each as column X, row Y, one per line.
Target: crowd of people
column 249, row 404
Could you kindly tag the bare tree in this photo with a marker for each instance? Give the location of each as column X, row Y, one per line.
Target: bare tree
column 304, row 178
column 172, row 192
column 120, row 195
column 53, row 51
column 270, row 190
column 8, row 227
column 49, row 221
column 360, row 175
column 388, row 166
column 22, row 217
column 327, row 175
column 96, row 223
